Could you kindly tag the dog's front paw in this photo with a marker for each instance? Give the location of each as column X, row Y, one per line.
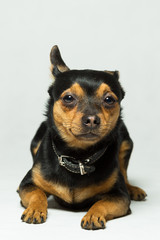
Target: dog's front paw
column 34, row 214
column 93, row 221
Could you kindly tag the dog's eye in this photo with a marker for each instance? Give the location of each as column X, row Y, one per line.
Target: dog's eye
column 109, row 101
column 68, row 99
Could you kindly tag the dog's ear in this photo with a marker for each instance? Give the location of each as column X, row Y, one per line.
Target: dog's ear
column 113, row 73
column 116, row 75
column 57, row 63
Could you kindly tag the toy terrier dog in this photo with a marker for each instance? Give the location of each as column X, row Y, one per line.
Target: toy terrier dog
column 81, row 151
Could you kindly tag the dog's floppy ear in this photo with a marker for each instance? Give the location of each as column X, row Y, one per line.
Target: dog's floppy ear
column 57, row 63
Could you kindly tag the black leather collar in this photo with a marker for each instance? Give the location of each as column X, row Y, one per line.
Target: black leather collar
column 76, row 166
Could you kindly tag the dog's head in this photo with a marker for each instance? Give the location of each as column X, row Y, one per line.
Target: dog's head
column 86, row 102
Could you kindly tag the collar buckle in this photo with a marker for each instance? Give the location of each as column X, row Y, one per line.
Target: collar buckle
column 82, row 170
column 62, row 163
column 60, row 159
column 78, row 167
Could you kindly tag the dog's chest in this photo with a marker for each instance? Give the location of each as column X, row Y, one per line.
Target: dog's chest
column 73, row 195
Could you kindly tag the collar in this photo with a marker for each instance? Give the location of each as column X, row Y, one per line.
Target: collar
column 76, row 166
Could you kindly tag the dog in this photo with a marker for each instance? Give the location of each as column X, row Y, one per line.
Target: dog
column 81, row 151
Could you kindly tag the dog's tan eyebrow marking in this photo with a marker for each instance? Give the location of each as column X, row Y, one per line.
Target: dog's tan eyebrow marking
column 104, row 88
column 75, row 89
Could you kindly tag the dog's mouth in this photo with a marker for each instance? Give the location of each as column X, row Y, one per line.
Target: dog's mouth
column 89, row 136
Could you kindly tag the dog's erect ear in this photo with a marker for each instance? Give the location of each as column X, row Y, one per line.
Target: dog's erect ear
column 57, row 63
column 114, row 73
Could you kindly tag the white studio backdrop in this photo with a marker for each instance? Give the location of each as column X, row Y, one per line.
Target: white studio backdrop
column 93, row 34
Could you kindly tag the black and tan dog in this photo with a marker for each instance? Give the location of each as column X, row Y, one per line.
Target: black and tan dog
column 81, row 152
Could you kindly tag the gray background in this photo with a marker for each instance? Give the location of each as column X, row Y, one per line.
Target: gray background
column 95, row 34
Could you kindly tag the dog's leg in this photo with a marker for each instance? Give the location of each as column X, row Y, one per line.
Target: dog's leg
column 34, row 200
column 125, row 151
column 105, row 210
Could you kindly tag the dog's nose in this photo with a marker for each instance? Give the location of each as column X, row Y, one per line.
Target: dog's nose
column 91, row 121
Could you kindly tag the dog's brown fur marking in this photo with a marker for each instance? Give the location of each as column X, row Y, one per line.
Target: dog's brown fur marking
column 104, row 88
column 74, row 89
column 77, row 90
column 125, row 146
column 36, row 148
column 103, row 187
column 73, row 195
column 104, row 210
column 50, row 187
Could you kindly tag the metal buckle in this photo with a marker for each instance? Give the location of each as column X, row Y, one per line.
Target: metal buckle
column 82, row 171
column 60, row 159
column 62, row 163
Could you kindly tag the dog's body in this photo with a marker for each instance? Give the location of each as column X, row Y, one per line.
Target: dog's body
column 81, row 152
